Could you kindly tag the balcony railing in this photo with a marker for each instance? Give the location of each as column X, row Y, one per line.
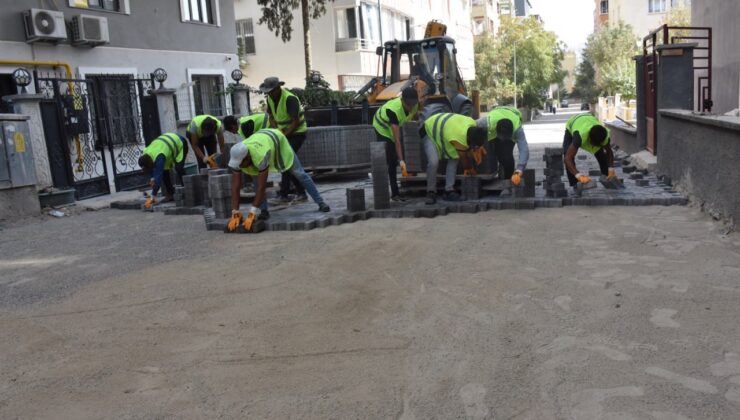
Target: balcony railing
column 354, row 44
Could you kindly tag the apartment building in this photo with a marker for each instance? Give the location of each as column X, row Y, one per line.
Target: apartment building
column 643, row 15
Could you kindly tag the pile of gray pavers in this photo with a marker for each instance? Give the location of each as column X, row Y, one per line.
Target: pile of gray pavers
column 554, row 169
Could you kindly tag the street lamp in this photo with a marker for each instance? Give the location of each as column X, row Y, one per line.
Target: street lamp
column 22, row 78
column 237, row 75
column 160, row 75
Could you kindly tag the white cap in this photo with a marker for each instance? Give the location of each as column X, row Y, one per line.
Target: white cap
column 238, row 152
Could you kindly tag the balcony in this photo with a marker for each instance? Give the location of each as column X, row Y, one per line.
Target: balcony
column 354, row 44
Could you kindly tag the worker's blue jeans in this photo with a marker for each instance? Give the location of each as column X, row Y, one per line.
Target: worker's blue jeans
column 305, row 179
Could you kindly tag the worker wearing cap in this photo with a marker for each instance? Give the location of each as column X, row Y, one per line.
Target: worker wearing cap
column 264, row 151
column 450, row 137
column 248, row 124
column 584, row 131
column 202, row 132
column 163, row 153
column 504, row 129
column 285, row 113
column 387, row 123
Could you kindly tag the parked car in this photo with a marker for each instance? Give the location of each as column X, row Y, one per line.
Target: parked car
column 584, row 106
column 564, row 103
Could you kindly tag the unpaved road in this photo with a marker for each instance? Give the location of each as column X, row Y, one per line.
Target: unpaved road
column 579, row 313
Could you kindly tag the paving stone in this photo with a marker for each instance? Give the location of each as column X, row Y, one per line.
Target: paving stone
column 556, row 193
column 581, row 157
column 594, row 172
column 338, row 220
column 469, row 208
column 323, row 222
column 599, row 201
column 274, row 226
column 355, row 199
column 556, row 186
column 642, row 182
column 410, row 213
column 628, row 169
column 636, row 175
column 183, row 211
column 524, row 204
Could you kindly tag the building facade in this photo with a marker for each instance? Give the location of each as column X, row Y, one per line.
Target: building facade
column 343, row 41
column 643, row 15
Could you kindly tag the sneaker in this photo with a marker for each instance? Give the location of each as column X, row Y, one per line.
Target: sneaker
column 398, row 198
column 300, row 198
column 264, row 215
column 279, row 200
column 323, row 207
column 431, row 198
column 452, row 196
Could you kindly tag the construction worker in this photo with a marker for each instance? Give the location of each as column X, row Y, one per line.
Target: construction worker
column 584, row 131
column 504, row 127
column 202, row 132
column 285, row 113
column 248, row 124
column 450, row 137
column 266, row 150
column 163, row 153
column 387, row 123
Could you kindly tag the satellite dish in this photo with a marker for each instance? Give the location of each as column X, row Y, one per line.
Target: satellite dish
column 44, row 23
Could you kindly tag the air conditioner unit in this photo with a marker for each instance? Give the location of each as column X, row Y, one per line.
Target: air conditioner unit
column 89, row 30
column 44, row 25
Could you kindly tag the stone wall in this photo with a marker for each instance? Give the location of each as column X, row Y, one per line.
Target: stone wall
column 624, row 136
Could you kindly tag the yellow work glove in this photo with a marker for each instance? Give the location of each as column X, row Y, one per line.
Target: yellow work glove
column 583, row 179
column 236, row 220
column 250, row 218
column 478, row 155
column 150, row 201
column 404, row 172
column 210, row 161
column 612, row 173
column 516, row 178
column 470, row 172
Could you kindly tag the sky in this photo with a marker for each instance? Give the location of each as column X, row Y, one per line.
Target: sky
column 571, row 20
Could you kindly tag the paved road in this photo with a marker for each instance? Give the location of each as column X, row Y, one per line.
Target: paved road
column 549, row 128
column 577, row 312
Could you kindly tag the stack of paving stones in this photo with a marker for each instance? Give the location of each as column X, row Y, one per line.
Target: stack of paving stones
column 355, row 199
column 472, row 187
column 379, row 169
column 219, row 192
column 192, row 191
column 180, row 196
column 413, row 147
column 554, row 169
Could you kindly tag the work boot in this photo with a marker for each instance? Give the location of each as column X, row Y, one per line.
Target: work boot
column 452, row 196
column 323, row 207
column 431, row 198
column 300, row 198
column 264, row 215
column 398, row 198
column 279, row 200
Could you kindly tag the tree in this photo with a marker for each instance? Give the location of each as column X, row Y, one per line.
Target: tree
column 585, row 87
column 538, row 62
column 611, row 51
column 678, row 16
column 278, row 15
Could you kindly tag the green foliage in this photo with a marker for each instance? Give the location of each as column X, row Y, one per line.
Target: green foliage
column 611, row 52
column 318, row 93
column 278, row 14
column 585, row 87
column 538, row 62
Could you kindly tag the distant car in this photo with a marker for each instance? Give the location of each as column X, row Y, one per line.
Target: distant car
column 564, row 103
column 584, row 106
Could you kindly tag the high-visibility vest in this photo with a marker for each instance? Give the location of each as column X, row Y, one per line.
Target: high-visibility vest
column 260, row 121
column 503, row 113
column 582, row 124
column 168, row 144
column 281, row 116
column 444, row 128
column 269, row 140
column 383, row 125
column 196, row 123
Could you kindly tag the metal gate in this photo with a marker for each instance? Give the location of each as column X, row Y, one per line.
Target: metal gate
column 95, row 130
column 702, row 71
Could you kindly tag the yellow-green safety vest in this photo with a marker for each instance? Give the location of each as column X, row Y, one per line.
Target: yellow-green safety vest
column 443, row 128
column 582, row 124
column 197, row 122
column 260, row 122
column 383, row 125
column 169, row 145
column 500, row 113
column 281, row 116
column 269, row 140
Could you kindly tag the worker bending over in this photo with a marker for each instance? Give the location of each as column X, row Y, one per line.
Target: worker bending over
column 265, row 151
column 504, row 127
column 387, row 123
column 202, row 132
column 586, row 132
column 450, row 137
column 163, row 153
column 248, row 124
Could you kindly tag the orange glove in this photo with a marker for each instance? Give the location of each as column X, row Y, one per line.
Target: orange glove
column 478, row 154
column 210, row 161
column 150, row 201
column 404, row 172
column 250, row 219
column 516, row 178
column 236, row 220
column 470, row 172
column 583, row 179
column 612, row 173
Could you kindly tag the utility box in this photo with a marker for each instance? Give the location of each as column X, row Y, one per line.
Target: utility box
column 16, row 157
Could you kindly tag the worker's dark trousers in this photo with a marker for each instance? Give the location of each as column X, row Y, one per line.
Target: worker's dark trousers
column 296, row 141
column 209, row 146
column 391, row 158
column 167, row 186
column 504, row 151
column 601, row 157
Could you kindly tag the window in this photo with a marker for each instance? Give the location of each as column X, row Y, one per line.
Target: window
column 203, row 11
column 245, row 37
column 346, row 23
column 119, row 6
column 208, row 95
column 656, row 6
column 604, row 7
column 360, row 27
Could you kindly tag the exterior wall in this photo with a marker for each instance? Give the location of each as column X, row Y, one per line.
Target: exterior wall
column 722, row 16
column 624, row 136
column 569, row 65
column 285, row 60
column 485, row 17
column 636, row 13
column 700, row 155
column 600, row 19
